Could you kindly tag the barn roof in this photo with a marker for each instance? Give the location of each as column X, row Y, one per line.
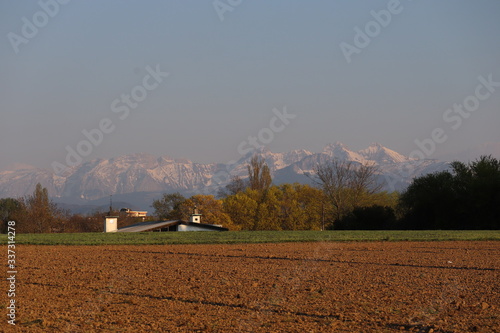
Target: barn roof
column 145, row 226
column 149, row 226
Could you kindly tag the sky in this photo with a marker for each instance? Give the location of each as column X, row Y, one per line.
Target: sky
column 206, row 80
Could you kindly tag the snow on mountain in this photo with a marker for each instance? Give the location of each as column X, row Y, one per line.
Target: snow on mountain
column 135, row 173
column 381, row 155
column 281, row 160
column 23, row 181
column 340, row 151
column 375, row 154
column 136, row 177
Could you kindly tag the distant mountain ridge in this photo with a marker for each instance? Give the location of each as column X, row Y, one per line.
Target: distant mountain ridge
column 139, row 178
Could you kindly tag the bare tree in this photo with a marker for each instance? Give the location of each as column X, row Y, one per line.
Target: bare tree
column 40, row 214
column 345, row 183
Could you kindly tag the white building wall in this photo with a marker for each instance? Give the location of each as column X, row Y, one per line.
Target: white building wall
column 195, row 218
column 110, row 224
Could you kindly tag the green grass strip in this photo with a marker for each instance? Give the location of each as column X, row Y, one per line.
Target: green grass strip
column 235, row 237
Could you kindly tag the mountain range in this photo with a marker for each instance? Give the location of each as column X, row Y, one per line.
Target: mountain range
column 137, row 179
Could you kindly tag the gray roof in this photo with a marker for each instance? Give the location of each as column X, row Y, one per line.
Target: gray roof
column 144, row 226
column 147, row 226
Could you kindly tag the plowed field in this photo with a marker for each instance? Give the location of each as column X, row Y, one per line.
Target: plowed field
column 287, row 287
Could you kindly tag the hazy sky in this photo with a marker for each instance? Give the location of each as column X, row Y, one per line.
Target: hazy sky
column 229, row 67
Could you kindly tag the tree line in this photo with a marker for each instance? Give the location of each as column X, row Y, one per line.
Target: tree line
column 344, row 195
column 37, row 213
column 256, row 204
column 467, row 197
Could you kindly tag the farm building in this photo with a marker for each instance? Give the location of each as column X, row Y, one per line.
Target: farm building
column 194, row 224
column 133, row 213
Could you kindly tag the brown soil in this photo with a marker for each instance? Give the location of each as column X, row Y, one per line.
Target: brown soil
column 290, row 287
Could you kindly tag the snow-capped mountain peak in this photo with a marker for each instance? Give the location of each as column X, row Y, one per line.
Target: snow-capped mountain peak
column 340, row 151
column 381, row 155
column 142, row 176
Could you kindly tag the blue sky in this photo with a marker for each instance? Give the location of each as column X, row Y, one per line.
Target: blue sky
column 226, row 77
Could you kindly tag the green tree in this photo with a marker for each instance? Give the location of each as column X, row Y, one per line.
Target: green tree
column 302, row 207
column 284, row 207
column 267, row 215
column 10, row 210
column 384, row 198
column 211, row 209
column 242, row 208
column 168, row 207
column 477, row 184
column 467, row 197
column 430, row 202
column 374, row 217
